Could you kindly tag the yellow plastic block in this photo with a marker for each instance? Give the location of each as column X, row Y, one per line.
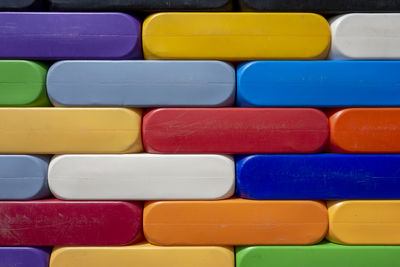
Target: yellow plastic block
column 69, row 130
column 236, row 36
column 142, row 255
column 364, row 222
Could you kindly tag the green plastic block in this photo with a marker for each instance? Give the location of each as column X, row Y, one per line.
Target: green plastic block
column 23, row 83
column 320, row 255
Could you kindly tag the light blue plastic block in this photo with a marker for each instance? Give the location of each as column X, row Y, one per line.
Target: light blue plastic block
column 142, row 83
column 23, row 177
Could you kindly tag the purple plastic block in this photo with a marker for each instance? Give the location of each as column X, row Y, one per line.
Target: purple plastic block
column 54, row 36
column 24, row 257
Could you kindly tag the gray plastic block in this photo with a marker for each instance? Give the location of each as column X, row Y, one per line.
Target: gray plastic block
column 142, row 83
column 23, row 177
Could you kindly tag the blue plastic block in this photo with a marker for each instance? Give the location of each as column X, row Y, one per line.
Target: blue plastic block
column 318, row 84
column 23, row 177
column 142, row 83
column 318, row 176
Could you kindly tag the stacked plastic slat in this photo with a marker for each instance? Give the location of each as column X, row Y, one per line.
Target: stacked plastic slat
column 160, row 136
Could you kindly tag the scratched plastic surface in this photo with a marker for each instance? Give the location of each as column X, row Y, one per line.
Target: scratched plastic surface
column 320, row 176
column 54, row 36
column 234, row 130
column 57, row 223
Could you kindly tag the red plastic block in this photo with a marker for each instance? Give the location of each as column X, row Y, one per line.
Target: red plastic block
column 67, row 223
column 235, row 130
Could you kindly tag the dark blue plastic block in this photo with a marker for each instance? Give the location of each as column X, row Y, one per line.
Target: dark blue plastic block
column 318, row 84
column 23, row 177
column 319, row 176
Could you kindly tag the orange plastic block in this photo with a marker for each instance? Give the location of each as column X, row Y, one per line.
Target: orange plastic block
column 235, row 222
column 365, row 130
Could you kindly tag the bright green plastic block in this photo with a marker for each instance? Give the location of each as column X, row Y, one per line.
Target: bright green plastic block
column 321, row 255
column 23, row 83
